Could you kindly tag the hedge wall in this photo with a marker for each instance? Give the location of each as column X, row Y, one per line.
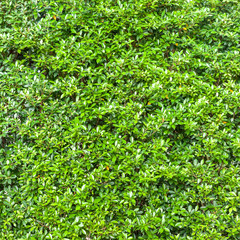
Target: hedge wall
column 119, row 119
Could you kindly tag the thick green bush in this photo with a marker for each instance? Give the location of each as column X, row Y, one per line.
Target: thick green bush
column 119, row 119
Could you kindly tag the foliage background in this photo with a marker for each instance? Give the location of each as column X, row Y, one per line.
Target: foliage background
column 119, row 119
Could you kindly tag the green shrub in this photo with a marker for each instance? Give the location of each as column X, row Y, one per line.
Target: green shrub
column 119, row 119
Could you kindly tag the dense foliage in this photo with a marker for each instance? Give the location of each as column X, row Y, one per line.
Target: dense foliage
column 119, row 119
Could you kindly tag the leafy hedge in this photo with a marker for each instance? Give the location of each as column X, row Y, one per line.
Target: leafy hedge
column 119, row 119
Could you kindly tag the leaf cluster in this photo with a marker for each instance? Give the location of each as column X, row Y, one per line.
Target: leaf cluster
column 119, row 119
